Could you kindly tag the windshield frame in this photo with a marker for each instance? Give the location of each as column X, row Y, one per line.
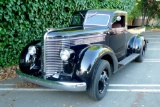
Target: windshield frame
column 94, row 14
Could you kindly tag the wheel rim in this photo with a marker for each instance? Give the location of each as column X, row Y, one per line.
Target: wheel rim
column 103, row 82
column 143, row 53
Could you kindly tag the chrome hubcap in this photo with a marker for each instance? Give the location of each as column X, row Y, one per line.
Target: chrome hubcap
column 103, row 82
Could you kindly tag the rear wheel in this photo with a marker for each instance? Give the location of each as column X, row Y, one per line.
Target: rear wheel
column 141, row 56
column 99, row 83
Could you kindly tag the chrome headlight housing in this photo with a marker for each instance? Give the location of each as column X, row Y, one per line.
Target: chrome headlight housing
column 32, row 50
column 66, row 53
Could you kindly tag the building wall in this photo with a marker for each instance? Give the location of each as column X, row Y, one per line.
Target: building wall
column 155, row 22
column 138, row 22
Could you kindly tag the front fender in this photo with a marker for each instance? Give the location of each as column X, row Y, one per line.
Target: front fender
column 24, row 57
column 90, row 56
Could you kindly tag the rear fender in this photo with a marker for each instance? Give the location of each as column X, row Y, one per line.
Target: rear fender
column 135, row 44
column 139, row 43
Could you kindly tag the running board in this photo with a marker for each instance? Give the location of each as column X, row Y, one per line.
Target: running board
column 128, row 59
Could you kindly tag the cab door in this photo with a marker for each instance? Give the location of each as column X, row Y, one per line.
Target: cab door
column 117, row 38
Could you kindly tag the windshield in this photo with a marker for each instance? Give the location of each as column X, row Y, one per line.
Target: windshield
column 97, row 19
column 77, row 19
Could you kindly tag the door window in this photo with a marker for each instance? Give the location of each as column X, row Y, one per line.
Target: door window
column 118, row 23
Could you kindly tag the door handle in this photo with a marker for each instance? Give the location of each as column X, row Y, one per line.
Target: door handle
column 110, row 33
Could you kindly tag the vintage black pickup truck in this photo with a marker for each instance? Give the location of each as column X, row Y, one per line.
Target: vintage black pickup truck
column 83, row 56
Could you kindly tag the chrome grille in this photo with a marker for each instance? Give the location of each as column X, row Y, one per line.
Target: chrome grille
column 52, row 60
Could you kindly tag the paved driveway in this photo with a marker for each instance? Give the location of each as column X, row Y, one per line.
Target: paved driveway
column 136, row 85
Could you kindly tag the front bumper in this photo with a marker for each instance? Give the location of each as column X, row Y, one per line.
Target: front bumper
column 61, row 85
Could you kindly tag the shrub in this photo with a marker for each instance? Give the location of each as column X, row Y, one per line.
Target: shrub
column 23, row 21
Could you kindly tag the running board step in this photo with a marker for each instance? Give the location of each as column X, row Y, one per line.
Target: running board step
column 128, row 59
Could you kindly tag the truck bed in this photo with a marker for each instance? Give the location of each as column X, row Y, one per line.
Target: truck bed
column 136, row 29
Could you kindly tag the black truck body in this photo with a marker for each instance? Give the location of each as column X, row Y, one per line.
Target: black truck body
column 83, row 56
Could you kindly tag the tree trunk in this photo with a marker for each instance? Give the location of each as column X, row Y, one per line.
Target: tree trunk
column 144, row 11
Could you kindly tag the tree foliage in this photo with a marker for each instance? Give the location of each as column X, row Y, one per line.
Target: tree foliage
column 23, row 21
column 146, row 8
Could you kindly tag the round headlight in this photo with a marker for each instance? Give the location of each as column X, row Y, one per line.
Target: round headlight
column 32, row 50
column 65, row 54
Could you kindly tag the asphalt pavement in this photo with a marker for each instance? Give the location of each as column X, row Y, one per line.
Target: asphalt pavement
column 135, row 85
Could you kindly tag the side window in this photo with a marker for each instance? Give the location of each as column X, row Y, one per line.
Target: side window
column 77, row 20
column 118, row 23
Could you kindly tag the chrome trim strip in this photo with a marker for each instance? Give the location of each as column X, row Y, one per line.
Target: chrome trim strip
column 75, row 38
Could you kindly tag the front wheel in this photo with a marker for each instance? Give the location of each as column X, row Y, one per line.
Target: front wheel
column 99, row 82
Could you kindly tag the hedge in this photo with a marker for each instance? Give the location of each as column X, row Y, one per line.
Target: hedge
column 23, row 21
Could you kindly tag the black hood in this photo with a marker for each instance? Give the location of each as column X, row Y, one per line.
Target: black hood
column 73, row 31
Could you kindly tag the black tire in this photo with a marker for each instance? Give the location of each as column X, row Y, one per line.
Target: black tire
column 99, row 81
column 145, row 46
column 141, row 56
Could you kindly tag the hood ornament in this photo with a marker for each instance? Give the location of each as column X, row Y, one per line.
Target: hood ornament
column 50, row 29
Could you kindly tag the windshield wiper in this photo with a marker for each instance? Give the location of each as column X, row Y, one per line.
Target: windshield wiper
column 92, row 15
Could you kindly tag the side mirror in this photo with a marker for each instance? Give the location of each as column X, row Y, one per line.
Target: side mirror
column 118, row 18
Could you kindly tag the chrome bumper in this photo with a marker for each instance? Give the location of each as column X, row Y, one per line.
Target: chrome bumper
column 61, row 85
